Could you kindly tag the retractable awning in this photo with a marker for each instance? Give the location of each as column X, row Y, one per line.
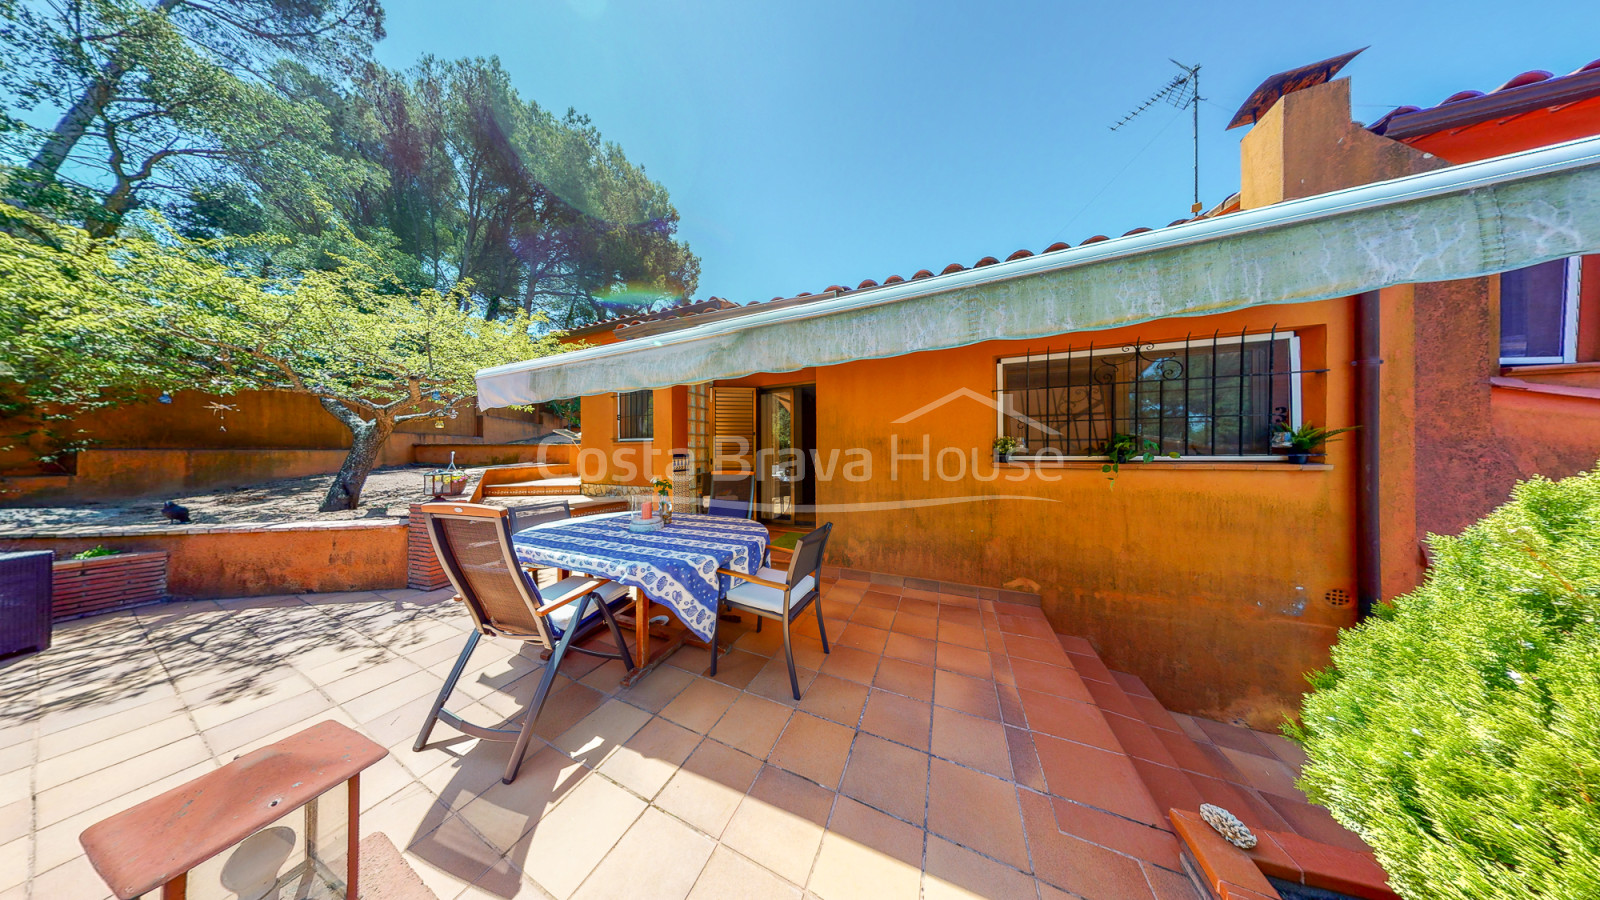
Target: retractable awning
column 1459, row 222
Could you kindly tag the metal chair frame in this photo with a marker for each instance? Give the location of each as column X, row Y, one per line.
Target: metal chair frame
column 559, row 642
column 743, row 483
column 807, row 560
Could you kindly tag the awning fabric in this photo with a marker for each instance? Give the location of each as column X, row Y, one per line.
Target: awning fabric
column 1458, row 222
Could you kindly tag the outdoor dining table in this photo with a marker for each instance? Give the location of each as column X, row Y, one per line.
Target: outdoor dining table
column 675, row 566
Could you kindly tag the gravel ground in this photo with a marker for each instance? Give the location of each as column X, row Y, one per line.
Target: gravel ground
column 388, row 492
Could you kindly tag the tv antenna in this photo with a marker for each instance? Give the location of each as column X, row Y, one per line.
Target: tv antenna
column 1183, row 91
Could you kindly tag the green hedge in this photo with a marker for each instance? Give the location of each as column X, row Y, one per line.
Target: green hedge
column 1458, row 731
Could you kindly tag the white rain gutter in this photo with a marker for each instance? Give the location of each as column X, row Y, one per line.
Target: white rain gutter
column 1458, row 222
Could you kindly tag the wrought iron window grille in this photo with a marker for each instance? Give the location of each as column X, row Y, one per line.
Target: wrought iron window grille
column 1216, row 396
column 635, row 415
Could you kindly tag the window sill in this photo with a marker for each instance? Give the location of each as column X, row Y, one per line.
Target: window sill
column 644, row 440
column 1172, row 465
column 1572, row 368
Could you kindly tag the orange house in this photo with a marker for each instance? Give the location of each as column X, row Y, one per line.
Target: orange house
column 1427, row 279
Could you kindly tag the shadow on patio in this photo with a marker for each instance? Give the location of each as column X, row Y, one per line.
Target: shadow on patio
column 946, row 747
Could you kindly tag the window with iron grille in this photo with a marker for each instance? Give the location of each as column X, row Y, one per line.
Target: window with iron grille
column 636, row 416
column 1217, row 396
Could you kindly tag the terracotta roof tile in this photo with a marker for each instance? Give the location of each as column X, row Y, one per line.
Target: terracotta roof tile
column 986, row 261
column 952, row 269
column 1395, row 120
column 1024, row 253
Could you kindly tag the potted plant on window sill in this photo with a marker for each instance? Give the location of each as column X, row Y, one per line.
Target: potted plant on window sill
column 1004, row 446
column 1127, row 448
column 1307, row 440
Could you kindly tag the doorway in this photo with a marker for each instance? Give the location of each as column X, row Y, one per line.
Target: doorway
column 786, row 438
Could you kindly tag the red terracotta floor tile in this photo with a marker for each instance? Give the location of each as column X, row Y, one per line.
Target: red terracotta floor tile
column 1154, row 714
column 974, row 696
column 1087, row 870
column 915, row 626
column 1040, row 649
column 1011, row 706
column 971, row 741
column 966, row 618
column 1264, row 773
column 1090, row 666
column 1111, row 698
column 1186, row 752
column 1314, row 822
column 963, row 635
column 1095, row 777
column 906, row 678
column 914, row 606
column 1132, row 684
column 965, row 660
column 873, row 617
column 1236, row 736
column 1337, row 869
column 977, row 811
column 1081, row 722
column 1189, row 727
column 880, row 599
column 1024, row 759
column 1141, row 842
column 1024, row 625
column 1074, row 644
column 898, row 718
column 835, row 699
column 888, row 777
column 1169, row 787
column 1139, row 740
column 851, row 665
column 1168, row 885
column 909, row 648
column 1062, row 681
column 863, row 637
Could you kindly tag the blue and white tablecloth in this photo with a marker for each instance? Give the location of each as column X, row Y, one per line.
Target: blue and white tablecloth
column 676, row 565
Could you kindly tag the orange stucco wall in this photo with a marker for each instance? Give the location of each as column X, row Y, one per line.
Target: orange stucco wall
column 606, row 460
column 284, row 560
column 1208, row 579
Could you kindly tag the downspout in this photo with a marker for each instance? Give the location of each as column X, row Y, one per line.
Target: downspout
column 1369, row 559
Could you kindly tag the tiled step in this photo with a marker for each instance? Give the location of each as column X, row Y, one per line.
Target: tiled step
column 1184, row 761
column 559, row 483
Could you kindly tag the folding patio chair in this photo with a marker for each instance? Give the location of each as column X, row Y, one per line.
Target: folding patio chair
column 733, row 494
column 473, row 543
column 771, row 594
column 538, row 513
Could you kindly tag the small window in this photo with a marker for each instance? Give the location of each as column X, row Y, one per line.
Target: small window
column 1209, row 397
column 636, row 416
column 1539, row 313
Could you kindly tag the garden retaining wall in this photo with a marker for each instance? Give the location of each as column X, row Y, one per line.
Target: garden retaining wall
column 252, row 559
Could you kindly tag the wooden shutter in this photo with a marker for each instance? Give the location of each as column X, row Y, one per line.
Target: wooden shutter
column 733, row 428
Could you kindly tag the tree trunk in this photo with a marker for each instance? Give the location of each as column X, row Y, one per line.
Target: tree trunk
column 366, row 442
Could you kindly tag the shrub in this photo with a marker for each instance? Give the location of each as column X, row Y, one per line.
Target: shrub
column 96, row 552
column 1458, row 730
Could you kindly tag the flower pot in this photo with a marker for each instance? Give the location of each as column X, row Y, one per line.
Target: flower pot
column 1298, row 459
column 1002, row 457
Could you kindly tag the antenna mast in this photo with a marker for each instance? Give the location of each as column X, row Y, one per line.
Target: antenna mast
column 1183, row 91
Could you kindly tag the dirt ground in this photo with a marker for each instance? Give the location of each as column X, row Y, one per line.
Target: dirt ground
column 388, row 492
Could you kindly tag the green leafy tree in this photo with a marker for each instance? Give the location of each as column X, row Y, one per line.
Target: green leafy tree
column 1458, row 731
column 153, row 98
column 101, row 320
column 533, row 212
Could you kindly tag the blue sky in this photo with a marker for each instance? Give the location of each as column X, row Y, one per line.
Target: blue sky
column 808, row 143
